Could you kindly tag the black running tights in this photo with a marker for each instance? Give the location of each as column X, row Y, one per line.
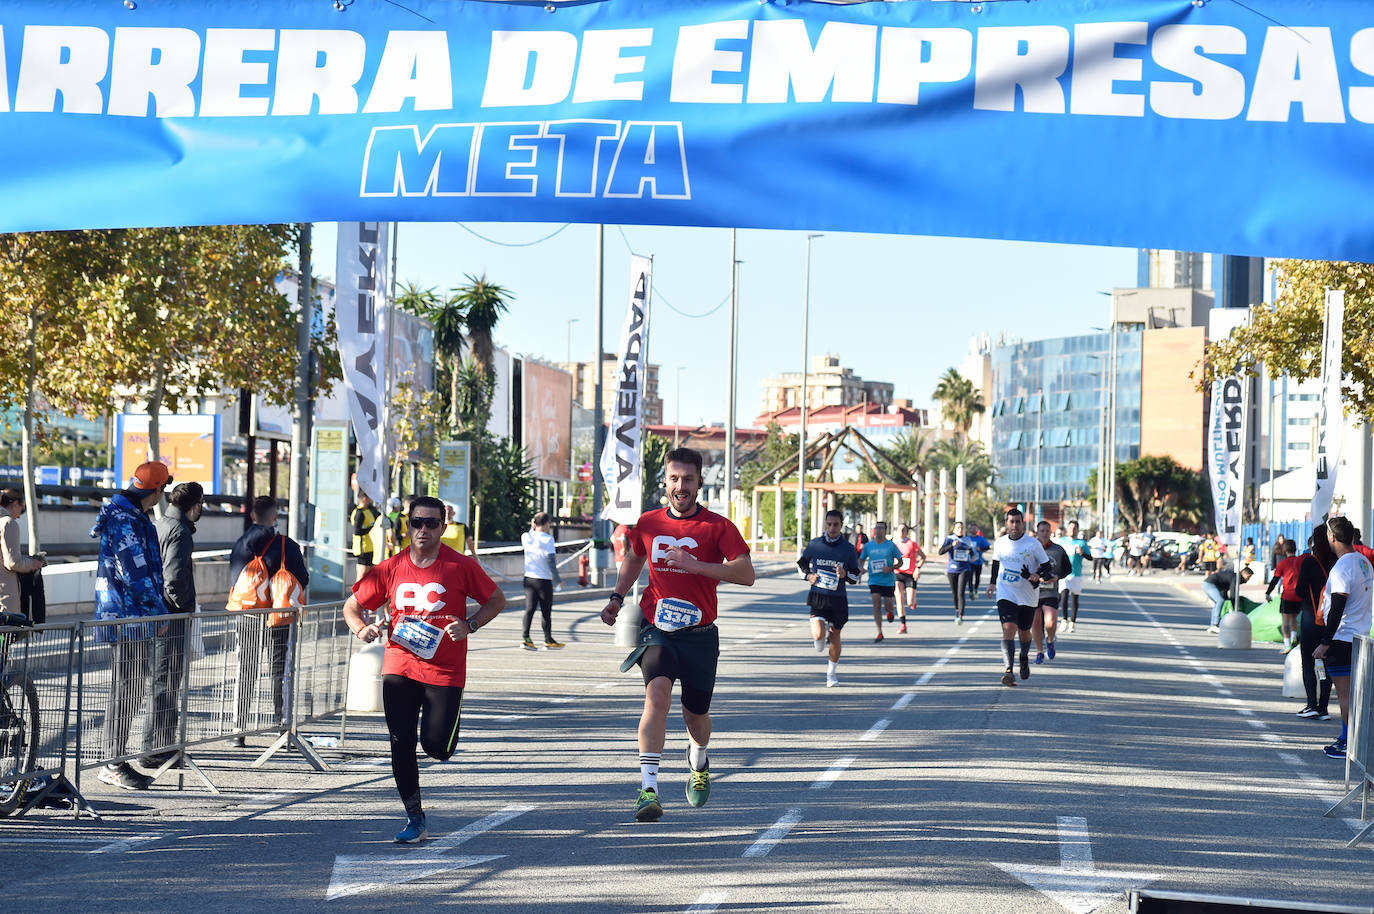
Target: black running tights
column 1309, row 636
column 958, row 583
column 417, row 712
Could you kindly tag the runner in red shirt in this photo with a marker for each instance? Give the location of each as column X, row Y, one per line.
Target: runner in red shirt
column 424, row 669
column 689, row 550
column 908, row 574
column 1286, row 572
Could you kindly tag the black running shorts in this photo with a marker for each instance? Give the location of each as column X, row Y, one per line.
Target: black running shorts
column 883, row 590
column 906, row 579
column 689, row 657
column 1290, row 607
column 1050, row 599
column 1339, row 658
column 833, row 608
column 1009, row 612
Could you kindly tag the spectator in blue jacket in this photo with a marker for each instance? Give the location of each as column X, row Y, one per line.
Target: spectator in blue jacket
column 128, row 584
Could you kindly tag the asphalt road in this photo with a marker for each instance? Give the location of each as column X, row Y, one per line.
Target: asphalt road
column 1142, row 756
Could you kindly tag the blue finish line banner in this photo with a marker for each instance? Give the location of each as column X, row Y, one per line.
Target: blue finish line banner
column 1188, row 125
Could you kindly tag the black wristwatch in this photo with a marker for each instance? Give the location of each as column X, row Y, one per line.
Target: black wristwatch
column 618, row 597
column 472, row 624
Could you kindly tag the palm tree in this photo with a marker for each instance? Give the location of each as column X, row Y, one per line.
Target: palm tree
column 959, row 400
column 482, row 304
column 446, row 316
column 912, row 451
column 978, row 469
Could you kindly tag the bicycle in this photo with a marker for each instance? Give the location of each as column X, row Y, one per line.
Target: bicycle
column 18, row 720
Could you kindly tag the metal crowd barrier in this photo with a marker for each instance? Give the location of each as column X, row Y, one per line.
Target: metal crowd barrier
column 36, row 666
column 1359, row 743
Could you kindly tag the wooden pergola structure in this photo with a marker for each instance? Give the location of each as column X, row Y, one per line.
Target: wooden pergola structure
column 895, row 483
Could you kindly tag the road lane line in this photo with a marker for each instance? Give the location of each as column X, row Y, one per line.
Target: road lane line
column 1292, row 759
column 831, row 773
column 903, row 701
column 473, row 829
column 776, row 832
column 876, row 730
column 1075, row 850
column 708, row 901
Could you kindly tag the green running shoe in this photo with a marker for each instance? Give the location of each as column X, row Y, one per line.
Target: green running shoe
column 647, row 808
column 698, row 787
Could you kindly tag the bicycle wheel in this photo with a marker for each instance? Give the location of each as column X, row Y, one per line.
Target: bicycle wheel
column 18, row 738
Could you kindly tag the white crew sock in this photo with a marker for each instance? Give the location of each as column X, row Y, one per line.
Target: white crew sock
column 696, row 757
column 648, row 770
column 834, row 666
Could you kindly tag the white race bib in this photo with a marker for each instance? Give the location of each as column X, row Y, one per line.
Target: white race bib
column 1011, row 577
column 827, row 579
column 420, row 638
column 963, row 554
column 673, row 615
column 878, row 566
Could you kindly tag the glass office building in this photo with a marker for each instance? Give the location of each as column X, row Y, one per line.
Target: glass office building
column 1047, row 413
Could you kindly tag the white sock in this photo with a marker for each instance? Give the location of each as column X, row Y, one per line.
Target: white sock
column 696, row 757
column 648, row 770
column 832, row 668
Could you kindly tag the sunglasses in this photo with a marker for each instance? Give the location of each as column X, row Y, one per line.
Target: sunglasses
column 423, row 523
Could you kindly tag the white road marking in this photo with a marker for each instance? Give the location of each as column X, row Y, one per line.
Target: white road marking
column 1075, row 850
column 1292, row 759
column 355, row 874
column 927, row 676
column 876, row 730
column 1076, row 884
column 708, row 901
column 125, row 844
column 776, row 832
column 903, row 701
column 473, row 829
column 832, row 773
column 1270, row 737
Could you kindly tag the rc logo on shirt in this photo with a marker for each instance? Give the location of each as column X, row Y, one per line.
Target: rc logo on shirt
column 419, row 597
column 662, row 543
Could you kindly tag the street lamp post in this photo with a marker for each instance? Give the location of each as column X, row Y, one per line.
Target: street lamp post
column 571, row 321
column 677, row 416
column 801, row 449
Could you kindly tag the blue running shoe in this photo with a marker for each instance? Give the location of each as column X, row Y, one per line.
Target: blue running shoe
column 1049, row 650
column 414, row 830
column 1039, row 657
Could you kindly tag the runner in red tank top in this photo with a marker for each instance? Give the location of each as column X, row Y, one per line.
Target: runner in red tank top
column 424, row 670
column 689, row 550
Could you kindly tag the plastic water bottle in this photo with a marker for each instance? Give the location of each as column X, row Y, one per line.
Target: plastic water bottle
column 323, row 742
column 1320, row 667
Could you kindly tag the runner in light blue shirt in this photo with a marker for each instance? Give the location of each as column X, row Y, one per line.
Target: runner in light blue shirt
column 879, row 560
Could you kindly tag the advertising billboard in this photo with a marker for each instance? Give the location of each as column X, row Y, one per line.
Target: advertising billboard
column 189, row 445
column 546, row 412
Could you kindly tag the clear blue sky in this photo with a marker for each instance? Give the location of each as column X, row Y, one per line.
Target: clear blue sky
column 893, row 308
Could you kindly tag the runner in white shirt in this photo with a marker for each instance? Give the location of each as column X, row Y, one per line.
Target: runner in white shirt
column 1018, row 563
column 1346, row 611
column 1098, row 547
column 541, row 577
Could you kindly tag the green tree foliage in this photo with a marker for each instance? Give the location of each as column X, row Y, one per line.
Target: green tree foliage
column 447, row 318
column 196, row 311
column 1158, row 490
column 1287, row 339
column 959, row 401
column 651, row 479
column 777, row 447
column 46, row 318
column 948, row 453
column 506, row 492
